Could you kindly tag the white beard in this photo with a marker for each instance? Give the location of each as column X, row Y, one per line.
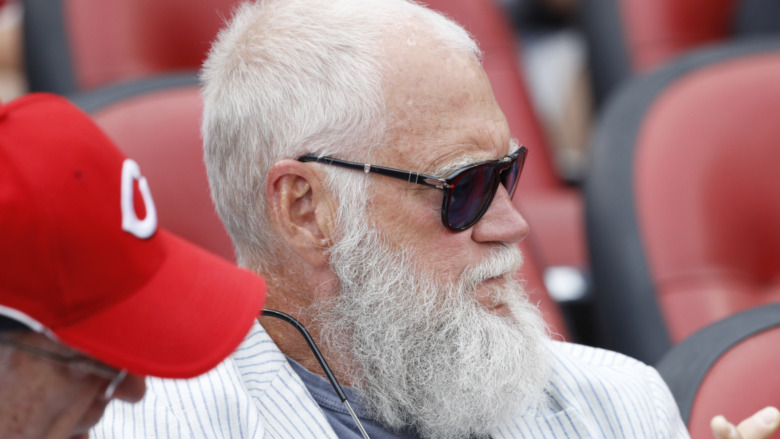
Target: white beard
column 428, row 356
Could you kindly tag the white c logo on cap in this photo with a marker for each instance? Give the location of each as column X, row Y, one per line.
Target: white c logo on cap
column 130, row 222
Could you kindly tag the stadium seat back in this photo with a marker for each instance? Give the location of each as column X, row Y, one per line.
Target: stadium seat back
column 629, row 37
column 728, row 368
column 681, row 201
column 78, row 45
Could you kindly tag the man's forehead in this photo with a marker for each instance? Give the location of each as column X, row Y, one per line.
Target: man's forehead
column 441, row 110
column 427, row 76
column 42, row 341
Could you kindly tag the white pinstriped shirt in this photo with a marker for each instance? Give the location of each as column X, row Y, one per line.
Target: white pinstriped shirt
column 596, row 393
column 255, row 394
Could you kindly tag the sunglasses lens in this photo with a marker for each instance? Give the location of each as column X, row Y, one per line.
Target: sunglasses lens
column 511, row 176
column 471, row 192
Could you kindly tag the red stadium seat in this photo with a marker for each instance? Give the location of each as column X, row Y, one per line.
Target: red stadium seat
column 156, row 121
column 682, row 201
column 78, row 45
column 627, row 37
column 728, row 368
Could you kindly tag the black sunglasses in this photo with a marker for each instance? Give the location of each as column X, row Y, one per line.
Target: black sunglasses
column 468, row 191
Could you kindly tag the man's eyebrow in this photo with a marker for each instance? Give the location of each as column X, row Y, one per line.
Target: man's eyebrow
column 449, row 168
column 514, row 145
column 466, row 160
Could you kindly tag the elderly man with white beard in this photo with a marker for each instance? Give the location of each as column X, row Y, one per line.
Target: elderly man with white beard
column 359, row 161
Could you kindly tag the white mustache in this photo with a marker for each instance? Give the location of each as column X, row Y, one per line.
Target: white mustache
column 504, row 260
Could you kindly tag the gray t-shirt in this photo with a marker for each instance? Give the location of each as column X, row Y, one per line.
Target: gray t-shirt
column 336, row 413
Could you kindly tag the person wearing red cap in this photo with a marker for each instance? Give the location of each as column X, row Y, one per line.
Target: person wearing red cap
column 94, row 296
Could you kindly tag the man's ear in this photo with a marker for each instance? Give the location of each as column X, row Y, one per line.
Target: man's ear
column 302, row 209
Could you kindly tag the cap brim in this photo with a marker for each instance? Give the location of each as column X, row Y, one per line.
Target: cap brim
column 184, row 321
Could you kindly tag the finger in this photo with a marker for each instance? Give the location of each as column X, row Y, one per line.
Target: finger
column 761, row 425
column 723, row 429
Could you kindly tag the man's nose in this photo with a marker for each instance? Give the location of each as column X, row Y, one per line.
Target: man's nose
column 502, row 222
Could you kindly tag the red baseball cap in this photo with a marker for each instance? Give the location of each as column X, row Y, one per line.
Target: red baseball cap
column 83, row 261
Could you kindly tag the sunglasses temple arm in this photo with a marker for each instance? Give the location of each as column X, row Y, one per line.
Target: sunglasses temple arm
column 320, row 359
column 112, row 386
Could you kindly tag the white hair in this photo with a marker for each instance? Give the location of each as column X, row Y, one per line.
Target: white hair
column 291, row 77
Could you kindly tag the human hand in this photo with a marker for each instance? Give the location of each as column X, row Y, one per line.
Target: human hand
column 759, row 426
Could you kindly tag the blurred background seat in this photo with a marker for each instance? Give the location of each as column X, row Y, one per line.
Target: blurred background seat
column 78, row 45
column 156, row 121
column 682, row 199
column 628, row 37
column 728, row 368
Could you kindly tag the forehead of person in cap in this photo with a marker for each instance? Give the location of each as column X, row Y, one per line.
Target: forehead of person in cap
column 91, row 289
